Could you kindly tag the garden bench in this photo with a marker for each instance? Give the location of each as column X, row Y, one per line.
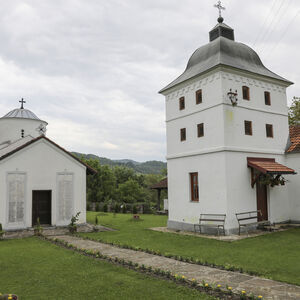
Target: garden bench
column 246, row 219
column 211, row 220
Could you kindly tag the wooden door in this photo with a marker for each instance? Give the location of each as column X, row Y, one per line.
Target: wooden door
column 41, row 207
column 262, row 202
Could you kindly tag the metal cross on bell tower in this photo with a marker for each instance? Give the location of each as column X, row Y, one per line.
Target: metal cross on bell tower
column 220, row 8
column 22, row 103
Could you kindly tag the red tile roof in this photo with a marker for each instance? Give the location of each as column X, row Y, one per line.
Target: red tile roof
column 163, row 184
column 295, row 139
column 89, row 169
column 268, row 165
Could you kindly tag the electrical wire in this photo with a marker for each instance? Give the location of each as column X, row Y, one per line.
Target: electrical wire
column 264, row 23
column 269, row 29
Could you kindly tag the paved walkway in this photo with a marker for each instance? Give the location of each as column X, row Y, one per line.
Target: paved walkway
column 269, row 289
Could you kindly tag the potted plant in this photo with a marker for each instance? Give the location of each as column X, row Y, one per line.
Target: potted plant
column 1, row 232
column 38, row 229
column 72, row 226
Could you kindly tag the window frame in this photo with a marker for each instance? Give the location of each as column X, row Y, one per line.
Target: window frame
column 199, row 92
column 182, row 134
column 267, row 95
column 192, row 185
column 269, row 129
column 246, row 89
column 200, row 130
column 181, row 103
column 246, row 122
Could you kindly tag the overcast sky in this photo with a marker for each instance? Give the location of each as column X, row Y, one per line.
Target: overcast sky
column 92, row 68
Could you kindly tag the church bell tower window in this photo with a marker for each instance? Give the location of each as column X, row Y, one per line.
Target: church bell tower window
column 199, row 97
column 267, row 98
column 181, row 103
column 246, row 93
column 248, row 128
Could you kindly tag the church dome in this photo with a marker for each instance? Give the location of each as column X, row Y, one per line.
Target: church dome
column 223, row 50
column 21, row 113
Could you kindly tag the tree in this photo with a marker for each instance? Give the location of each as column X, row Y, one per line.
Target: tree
column 130, row 192
column 294, row 112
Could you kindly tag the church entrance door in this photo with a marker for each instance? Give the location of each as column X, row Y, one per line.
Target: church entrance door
column 262, row 202
column 41, row 207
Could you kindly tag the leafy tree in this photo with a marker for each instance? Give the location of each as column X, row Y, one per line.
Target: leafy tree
column 294, row 112
column 130, row 191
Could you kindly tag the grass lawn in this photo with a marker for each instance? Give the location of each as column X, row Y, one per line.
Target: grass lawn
column 37, row 269
column 275, row 256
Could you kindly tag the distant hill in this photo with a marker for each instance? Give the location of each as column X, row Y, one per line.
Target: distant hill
column 148, row 167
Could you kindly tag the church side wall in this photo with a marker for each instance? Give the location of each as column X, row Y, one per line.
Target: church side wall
column 183, row 213
column 42, row 162
column 293, row 184
column 241, row 197
column 256, row 111
column 209, row 112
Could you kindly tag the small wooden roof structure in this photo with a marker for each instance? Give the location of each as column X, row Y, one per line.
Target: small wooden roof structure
column 162, row 185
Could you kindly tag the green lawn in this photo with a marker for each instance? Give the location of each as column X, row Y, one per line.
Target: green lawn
column 37, row 269
column 275, row 256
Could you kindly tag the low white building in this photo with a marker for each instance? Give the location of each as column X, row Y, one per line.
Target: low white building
column 38, row 178
column 227, row 133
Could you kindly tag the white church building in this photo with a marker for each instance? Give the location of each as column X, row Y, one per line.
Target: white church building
column 38, row 178
column 228, row 137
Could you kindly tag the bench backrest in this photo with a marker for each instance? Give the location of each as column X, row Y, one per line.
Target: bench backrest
column 248, row 217
column 212, row 218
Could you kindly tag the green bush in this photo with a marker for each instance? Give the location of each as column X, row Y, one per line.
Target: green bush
column 97, row 207
column 117, row 208
column 134, row 209
column 105, row 208
column 88, row 206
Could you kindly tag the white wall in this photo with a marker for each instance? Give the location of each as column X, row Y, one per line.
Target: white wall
column 10, row 128
column 212, row 187
column 220, row 157
column 41, row 162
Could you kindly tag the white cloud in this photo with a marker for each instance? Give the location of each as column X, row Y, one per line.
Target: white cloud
column 92, row 69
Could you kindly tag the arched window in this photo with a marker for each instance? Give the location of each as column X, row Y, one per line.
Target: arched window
column 246, row 93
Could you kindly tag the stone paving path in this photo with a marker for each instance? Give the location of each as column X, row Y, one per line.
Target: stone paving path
column 269, row 289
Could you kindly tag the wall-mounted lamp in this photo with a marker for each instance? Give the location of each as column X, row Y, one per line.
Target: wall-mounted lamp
column 233, row 97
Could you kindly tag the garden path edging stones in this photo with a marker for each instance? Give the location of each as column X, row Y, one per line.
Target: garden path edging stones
column 269, row 289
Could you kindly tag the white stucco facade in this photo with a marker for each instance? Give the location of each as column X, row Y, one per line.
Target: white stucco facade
column 36, row 166
column 220, row 156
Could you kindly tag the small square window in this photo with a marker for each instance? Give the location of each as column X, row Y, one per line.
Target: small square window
column 181, row 103
column 183, row 134
column 246, row 93
column 267, row 98
column 269, row 130
column 248, row 128
column 198, row 96
column 200, row 129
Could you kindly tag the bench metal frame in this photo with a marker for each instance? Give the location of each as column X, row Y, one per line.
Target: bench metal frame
column 241, row 218
column 217, row 219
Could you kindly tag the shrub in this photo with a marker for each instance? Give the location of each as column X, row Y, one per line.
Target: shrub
column 96, row 220
column 124, row 209
column 105, row 208
column 38, row 228
column 72, row 226
column 1, row 231
column 97, row 207
column 134, row 209
column 117, row 208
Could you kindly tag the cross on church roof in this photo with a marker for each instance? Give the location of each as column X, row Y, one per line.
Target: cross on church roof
column 22, row 103
column 220, row 8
